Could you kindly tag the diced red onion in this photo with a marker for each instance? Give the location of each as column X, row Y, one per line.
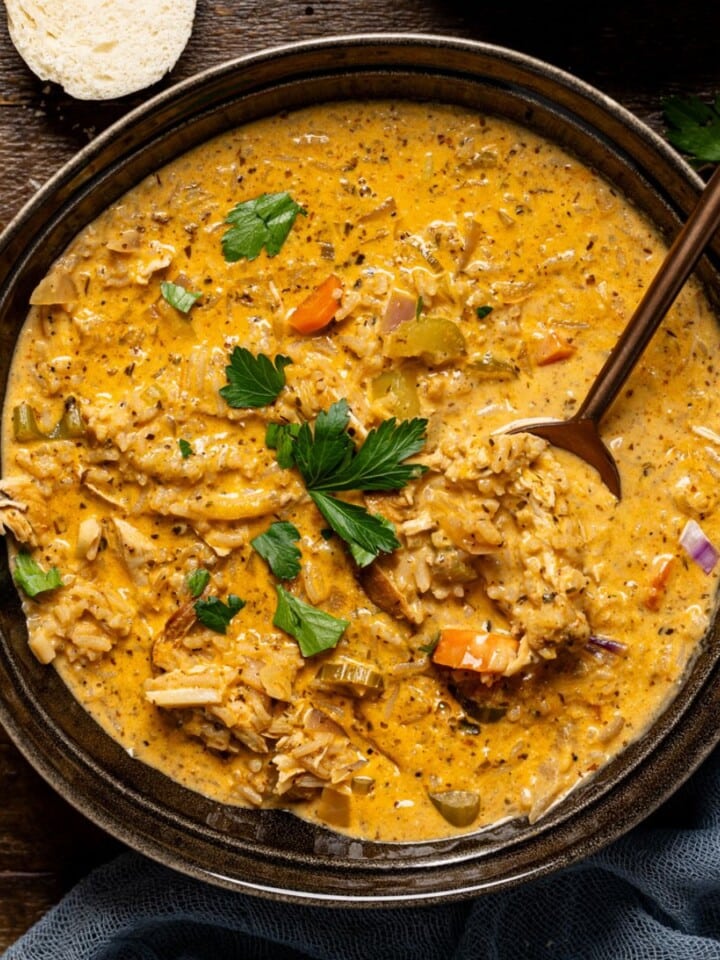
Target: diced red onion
column 400, row 307
column 606, row 643
column 698, row 546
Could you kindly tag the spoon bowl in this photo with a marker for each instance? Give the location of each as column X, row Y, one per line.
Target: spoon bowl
column 580, row 434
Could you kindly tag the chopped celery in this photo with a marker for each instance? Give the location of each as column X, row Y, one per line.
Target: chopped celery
column 70, row 426
column 490, row 368
column 351, row 677
column 452, row 566
column 436, row 340
column 362, row 785
column 401, row 390
column 25, row 425
column 459, row 807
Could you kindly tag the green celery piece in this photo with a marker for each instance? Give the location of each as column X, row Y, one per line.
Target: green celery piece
column 253, row 381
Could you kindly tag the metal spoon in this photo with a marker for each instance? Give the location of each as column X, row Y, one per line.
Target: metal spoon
column 580, row 434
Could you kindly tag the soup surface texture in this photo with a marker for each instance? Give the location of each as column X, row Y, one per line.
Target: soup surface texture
column 264, row 523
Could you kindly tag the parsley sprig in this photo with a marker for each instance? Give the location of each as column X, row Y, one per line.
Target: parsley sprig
column 216, row 615
column 280, row 437
column 277, row 547
column 265, row 222
column 329, row 462
column 320, row 450
column 366, row 534
column 377, row 464
column 211, row 612
column 694, row 127
column 253, row 381
column 30, row 576
column 328, row 459
column 314, row 629
column 185, row 448
column 197, row 580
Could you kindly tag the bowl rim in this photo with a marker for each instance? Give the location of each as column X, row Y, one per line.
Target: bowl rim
column 680, row 754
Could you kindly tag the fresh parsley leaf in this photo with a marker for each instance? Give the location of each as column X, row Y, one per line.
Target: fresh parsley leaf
column 329, row 461
column 197, row 581
column 280, row 437
column 361, row 556
column 313, row 629
column 277, row 547
column 265, row 221
column 216, row 615
column 30, row 576
column 377, row 464
column 253, row 381
column 185, row 448
column 419, row 307
column 482, row 312
column 177, row 296
column 694, row 127
column 366, row 534
column 324, row 448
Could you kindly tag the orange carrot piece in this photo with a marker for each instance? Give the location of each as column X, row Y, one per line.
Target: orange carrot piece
column 483, row 651
column 658, row 585
column 319, row 307
column 553, row 348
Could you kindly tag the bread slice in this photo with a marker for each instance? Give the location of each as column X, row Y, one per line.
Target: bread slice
column 98, row 49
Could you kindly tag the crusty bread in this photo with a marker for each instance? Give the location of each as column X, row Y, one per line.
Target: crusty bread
column 98, row 49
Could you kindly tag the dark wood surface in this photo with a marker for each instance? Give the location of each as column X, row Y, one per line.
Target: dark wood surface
column 638, row 52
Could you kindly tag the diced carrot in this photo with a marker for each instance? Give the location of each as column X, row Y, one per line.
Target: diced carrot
column 658, row 585
column 319, row 307
column 480, row 650
column 552, row 348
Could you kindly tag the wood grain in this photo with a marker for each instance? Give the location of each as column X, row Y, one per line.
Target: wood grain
column 637, row 52
column 45, row 845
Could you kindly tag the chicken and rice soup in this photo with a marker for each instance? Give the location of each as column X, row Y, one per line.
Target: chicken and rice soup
column 262, row 514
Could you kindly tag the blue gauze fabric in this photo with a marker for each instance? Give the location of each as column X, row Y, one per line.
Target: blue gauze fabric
column 652, row 895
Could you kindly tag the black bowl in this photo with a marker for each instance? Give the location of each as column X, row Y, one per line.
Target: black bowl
column 272, row 853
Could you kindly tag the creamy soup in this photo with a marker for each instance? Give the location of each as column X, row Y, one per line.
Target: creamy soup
column 265, row 522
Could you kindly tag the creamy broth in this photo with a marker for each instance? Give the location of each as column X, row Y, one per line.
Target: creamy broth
column 526, row 627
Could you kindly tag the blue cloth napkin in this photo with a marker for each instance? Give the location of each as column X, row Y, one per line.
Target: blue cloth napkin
column 652, row 895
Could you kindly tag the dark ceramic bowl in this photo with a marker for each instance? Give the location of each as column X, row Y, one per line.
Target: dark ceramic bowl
column 272, row 853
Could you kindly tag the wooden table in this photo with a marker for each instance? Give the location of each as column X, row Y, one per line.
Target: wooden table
column 638, row 53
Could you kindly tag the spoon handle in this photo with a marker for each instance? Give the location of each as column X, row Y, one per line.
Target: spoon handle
column 657, row 300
